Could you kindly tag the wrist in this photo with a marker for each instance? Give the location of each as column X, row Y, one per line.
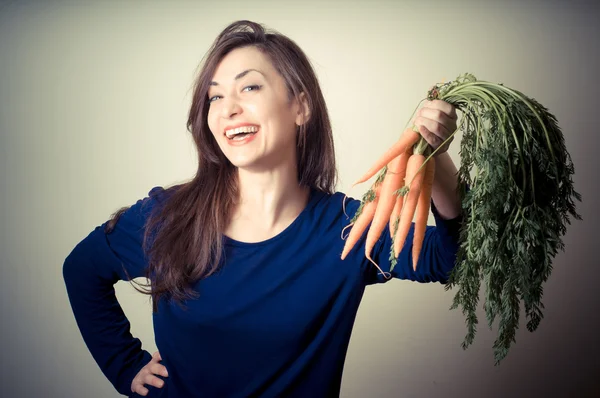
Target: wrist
column 445, row 193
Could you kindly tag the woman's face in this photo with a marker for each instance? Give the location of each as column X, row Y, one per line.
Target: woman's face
column 250, row 114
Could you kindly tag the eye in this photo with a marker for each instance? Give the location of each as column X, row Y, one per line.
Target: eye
column 214, row 98
column 253, row 87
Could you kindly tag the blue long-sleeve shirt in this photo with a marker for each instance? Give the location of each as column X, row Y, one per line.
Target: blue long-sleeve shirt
column 274, row 321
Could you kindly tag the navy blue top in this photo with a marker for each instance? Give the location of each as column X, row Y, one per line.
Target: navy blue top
column 274, row 321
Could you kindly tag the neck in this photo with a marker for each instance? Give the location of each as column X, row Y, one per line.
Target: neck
column 269, row 200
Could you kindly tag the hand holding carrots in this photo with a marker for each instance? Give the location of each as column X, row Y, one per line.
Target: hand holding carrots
column 403, row 188
column 436, row 121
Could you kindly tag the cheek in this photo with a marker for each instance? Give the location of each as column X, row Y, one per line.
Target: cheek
column 255, row 112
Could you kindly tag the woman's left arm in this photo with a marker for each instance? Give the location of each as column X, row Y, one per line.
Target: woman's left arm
column 437, row 121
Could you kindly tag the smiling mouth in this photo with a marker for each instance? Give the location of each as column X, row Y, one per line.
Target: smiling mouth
column 240, row 133
column 240, row 136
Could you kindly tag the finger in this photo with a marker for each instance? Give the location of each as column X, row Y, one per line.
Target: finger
column 157, row 356
column 154, row 381
column 141, row 390
column 433, row 140
column 433, row 127
column 443, row 106
column 158, row 369
column 440, row 117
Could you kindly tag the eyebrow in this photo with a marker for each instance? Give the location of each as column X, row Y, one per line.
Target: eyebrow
column 239, row 76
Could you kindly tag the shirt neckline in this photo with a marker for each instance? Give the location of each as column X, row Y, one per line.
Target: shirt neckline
column 312, row 199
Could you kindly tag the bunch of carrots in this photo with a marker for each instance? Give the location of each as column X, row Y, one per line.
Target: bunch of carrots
column 520, row 199
column 401, row 193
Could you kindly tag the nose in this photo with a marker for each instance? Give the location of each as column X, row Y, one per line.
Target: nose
column 231, row 107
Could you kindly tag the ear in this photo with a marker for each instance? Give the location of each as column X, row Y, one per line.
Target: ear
column 303, row 111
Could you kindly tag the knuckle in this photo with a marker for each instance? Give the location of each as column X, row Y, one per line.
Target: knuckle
column 155, row 382
column 151, row 378
column 430, row 138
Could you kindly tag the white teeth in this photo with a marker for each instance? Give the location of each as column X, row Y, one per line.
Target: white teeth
column 244, row 129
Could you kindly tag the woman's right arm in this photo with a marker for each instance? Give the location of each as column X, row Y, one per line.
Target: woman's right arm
column 90, row 271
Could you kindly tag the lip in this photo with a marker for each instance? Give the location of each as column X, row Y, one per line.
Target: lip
column 235, row 126
column 243, row 141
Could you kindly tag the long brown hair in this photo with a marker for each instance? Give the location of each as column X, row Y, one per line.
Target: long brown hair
column 183, row 238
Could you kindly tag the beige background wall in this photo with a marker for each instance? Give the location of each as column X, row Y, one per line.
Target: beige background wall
column 93, row 101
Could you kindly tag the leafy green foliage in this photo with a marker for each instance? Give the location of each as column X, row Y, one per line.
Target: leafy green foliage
column 521, row 197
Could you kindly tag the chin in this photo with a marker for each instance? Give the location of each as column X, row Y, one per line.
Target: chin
column 255, row 165
column 244, row 163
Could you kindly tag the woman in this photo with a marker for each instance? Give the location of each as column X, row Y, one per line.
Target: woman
column 250, row 296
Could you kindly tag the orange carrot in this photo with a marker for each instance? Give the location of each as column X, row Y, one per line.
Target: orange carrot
column 422, row 212
column 410, row 204
column 395, row 216
column 407, row 140
column 391, row 183
column 399, row 199
column 361, row 223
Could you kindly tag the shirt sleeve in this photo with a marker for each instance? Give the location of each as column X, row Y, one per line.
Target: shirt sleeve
column 436, row 260
column 90, row 271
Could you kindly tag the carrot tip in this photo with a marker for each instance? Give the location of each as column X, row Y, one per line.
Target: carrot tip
column 379, row 268
column 346, row 227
